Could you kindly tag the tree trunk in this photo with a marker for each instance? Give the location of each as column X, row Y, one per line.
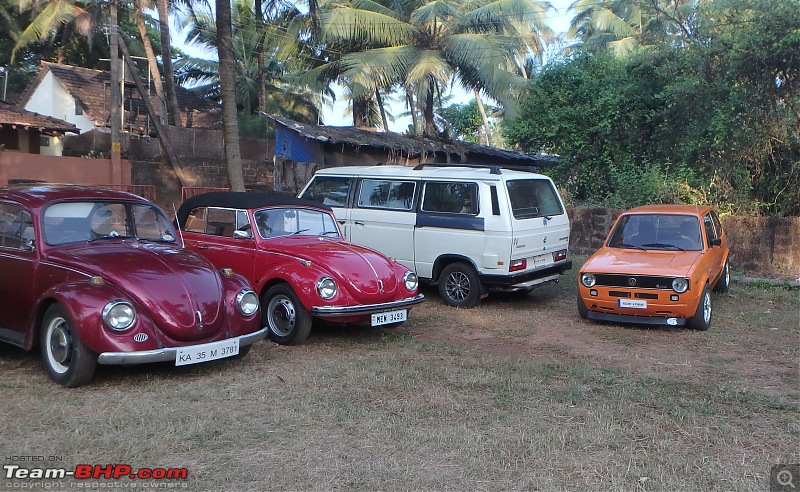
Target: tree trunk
column 412, row 110
column 260, row 82
column 483, row 117
column 360, row 108
column 227, row 82
column 379, row 100
column 155, row 74
column 427, row 114
column 66, row 35
column 166, row 59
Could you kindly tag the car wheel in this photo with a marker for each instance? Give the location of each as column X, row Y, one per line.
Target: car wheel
column 724, row 283
column 68, row 362
column 702, row 316
column 582, row 308
column 459, row 285
column 288, row 321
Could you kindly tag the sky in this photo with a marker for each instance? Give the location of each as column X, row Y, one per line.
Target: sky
column 336, row 115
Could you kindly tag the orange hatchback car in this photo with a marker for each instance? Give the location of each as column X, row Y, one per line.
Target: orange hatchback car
column 658, row 266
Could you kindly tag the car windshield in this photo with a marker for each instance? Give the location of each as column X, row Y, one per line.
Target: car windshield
column 289, row 221
column 532, row 198
column 71, row 222
column 656, row 231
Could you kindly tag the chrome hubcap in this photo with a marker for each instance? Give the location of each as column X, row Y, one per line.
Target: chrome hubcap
column 707, row 308
column 59, row 344
column 281, row 315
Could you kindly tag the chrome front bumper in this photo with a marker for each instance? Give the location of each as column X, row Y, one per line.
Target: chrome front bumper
column 364, row 309
column 167, row 354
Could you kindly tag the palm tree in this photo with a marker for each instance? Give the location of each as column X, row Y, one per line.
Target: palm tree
column 264, row 82
column 622, row 25
column 426, row 44
column 174, row 112
column 227, row 82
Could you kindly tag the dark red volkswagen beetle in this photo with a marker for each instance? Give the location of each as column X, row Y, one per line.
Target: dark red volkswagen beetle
column 293, row 254
column 97, row 276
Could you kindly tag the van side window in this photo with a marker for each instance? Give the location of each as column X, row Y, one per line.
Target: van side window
column 451, row 197
column 329, row 191
column 395, row 195
column 533, row 198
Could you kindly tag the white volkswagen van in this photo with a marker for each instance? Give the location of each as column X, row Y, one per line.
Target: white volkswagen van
column 469, row 228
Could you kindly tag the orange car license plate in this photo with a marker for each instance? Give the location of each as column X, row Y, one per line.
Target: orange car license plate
column 632, row 303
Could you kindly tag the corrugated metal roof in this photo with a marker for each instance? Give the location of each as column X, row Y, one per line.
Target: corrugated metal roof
column 412, row 145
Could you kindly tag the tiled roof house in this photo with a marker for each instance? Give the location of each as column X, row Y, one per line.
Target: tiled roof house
column 82, row 96
column 29, row 132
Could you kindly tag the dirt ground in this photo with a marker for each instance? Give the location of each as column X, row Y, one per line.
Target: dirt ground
column 753, row 342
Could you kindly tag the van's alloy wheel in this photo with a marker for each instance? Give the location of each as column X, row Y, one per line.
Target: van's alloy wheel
column 459, row 285
column 68, row 362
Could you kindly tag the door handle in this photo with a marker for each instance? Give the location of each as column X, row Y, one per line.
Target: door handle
column 358, row 222
column 202, row 247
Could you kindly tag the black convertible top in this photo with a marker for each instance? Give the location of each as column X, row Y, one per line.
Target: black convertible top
column 242, row 200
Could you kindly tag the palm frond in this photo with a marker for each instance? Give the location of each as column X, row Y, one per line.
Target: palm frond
column 437, row 10
column 348, row 24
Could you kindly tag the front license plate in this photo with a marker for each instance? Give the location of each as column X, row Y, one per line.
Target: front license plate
column 539, row 260
column 388, row 317
column 631, row 303
column 206, row 352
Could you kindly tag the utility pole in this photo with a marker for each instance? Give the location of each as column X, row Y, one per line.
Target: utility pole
column 116, row 98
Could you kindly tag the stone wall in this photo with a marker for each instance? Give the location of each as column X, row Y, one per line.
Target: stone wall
column 767, row 245
column 200, row 153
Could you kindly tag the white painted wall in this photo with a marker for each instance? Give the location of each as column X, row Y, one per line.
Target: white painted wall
column 51, row 98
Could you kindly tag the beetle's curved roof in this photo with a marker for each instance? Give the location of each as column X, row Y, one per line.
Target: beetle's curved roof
column 241, row 200
column 36, row 195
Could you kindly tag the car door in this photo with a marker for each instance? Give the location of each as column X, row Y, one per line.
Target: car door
column 714, row 260
column 382, row 217
column 18, row 261
column 210, row 232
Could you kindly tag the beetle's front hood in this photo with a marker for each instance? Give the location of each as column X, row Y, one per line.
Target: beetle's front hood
column 636, row 262
column 181, row 291
column 368, row 275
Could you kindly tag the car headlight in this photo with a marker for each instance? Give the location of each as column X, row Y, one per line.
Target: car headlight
column 119, row 315
column 247, row 302
column 410, row 280
column 588, row 280
column 326, row 287
column 680, row 285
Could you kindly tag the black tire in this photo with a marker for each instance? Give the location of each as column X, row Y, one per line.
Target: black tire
column 582, row 310
column 288, row 321
column 68, row 362
column 702, row 316
column 460, row 286
column 724, row 282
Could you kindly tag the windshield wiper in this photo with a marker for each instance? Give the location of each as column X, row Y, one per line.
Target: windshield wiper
column 299, row 231
column 626, row 245
column 663, row 246
column 325, row 233
column 113, row 235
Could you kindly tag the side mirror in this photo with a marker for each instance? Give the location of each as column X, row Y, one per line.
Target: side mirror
column 716, row 242
column 28, row 245
column 242, row 235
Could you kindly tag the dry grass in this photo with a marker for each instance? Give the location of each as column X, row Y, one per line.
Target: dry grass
column 519, row 394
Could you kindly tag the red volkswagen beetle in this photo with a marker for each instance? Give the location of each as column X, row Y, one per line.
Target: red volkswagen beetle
column 96, row 276
column 293, row 254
